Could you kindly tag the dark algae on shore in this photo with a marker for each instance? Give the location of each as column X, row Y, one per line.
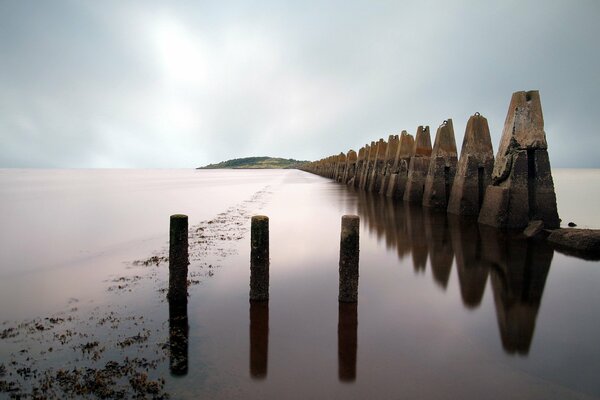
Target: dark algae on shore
column 115, row 350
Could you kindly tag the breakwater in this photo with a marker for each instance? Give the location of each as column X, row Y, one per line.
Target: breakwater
column 508, row 191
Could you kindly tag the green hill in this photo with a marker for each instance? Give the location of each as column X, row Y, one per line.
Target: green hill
column 256, row 163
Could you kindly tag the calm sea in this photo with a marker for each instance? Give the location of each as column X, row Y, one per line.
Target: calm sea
column 446, row 309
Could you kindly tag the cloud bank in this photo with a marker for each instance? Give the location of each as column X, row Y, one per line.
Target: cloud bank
column 182, row 83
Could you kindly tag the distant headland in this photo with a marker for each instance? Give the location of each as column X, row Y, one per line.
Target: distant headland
column 256, row 163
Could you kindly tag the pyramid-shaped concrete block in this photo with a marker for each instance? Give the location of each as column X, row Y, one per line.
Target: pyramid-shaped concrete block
column 522, row 187
column 376, row 177
column 389, row 159
column 350, row 167
column 418, row 167
column 474, row 170
column 399, row 175
column 442, row 168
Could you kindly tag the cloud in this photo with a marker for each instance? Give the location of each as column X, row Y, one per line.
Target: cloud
column 181, row 84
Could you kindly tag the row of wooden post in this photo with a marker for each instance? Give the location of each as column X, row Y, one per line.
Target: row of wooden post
column 259, row 296
column 259, row 258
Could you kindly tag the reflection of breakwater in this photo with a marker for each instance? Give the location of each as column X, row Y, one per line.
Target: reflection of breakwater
column 517, row 267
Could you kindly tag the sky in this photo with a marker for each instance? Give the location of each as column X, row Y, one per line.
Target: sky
column 179, row 84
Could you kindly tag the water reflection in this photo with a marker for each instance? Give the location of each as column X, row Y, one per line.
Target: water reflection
column 517, row 267
column 259, row 339
column 347, row 341
column 439, row 243
column 416, row 232
column 518, row 273
column 472, row 269
column 178, row 337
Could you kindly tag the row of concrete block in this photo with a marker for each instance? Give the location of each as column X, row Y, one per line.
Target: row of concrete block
column 506, row 192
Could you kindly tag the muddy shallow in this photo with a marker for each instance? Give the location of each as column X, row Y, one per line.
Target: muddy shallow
column 445, row 309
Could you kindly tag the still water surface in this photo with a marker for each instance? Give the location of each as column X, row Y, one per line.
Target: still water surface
column 446, row 309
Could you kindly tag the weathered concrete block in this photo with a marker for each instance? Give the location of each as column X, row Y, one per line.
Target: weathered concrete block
column 533, row 229
column 583, row 243
column 415, row 183
column 418, row 167
column 340, row 167
column 474, row 170
column 523, row 168
column 389, row 159
column 442, row 168
column 361, row 165
column 357, row 168
column 399, row 176
column 368, row 166
column 495, row 204
column 375, row 180
column 350, row 169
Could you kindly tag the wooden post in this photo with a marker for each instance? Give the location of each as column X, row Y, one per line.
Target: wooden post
column 178, row 258
column 349, row 250
column 259, row 258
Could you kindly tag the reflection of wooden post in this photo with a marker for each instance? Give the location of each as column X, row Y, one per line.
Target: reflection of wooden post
column 178, row 337
column 178, row 257
column 347, row 341
column 259, row 258
column 259, row 339
column 349, row 250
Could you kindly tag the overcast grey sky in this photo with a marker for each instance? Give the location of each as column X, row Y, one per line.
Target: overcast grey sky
column 185, row 83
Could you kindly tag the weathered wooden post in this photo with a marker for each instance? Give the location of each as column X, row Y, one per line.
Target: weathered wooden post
column 178, row 258
column 349, row 250
column 259, row 258
column 177, row 295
